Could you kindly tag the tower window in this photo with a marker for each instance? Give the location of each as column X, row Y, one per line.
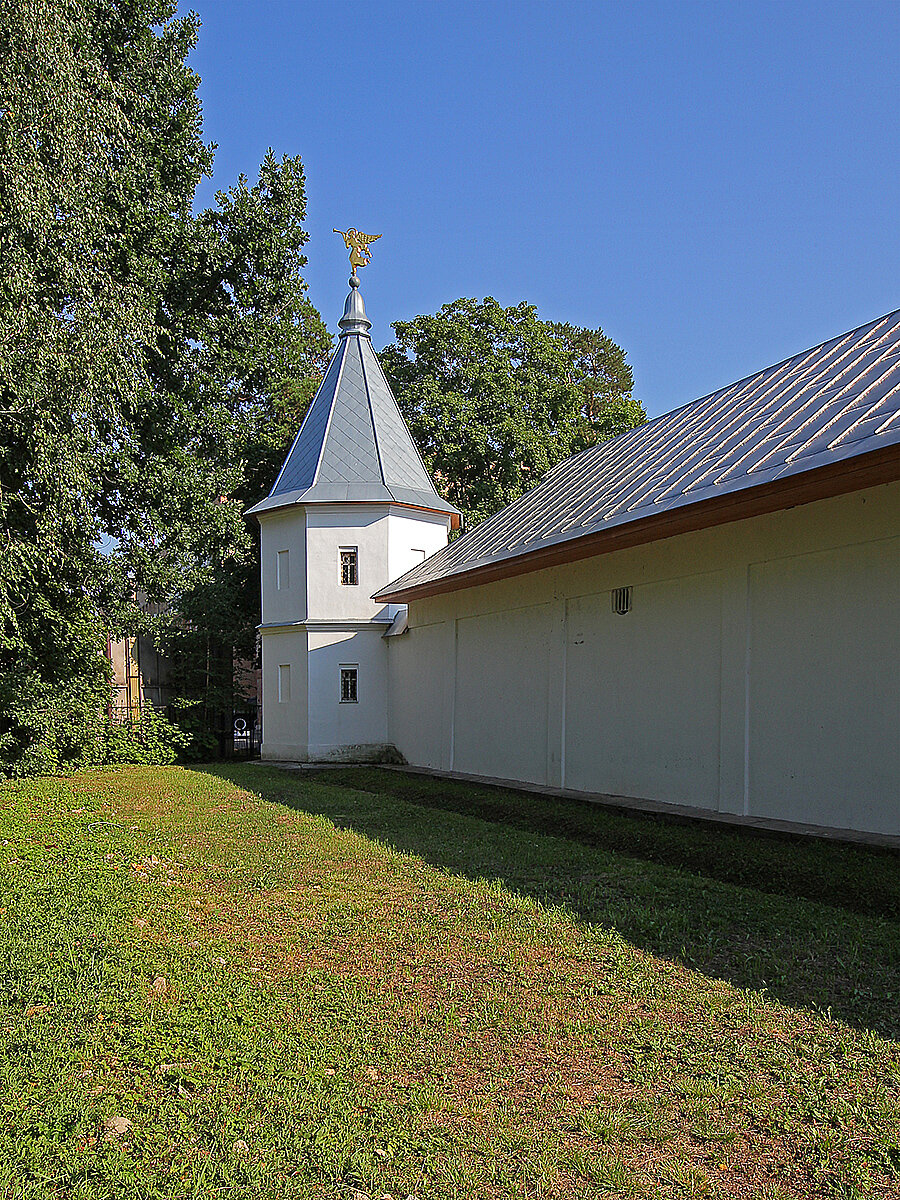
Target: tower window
column 284, row 683
column 283, row 569
column 349, row 679
column 349, row 566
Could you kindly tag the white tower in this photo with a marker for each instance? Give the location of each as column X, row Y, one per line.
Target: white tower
column 352, row 508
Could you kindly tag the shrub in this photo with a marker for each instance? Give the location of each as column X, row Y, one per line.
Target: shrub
column 199, row 743
column 151, row 738
column 50, row 729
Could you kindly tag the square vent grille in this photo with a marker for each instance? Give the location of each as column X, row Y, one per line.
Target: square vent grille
column 621, row 600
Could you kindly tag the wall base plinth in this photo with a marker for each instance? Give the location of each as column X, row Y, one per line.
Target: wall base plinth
column 372, row 752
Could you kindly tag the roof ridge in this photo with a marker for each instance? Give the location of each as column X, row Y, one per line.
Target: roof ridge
column 738, row 383
column 365, row 378
column 342, row 350
column 771, row 367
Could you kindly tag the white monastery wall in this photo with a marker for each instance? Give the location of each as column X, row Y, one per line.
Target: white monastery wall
column 756, row 672
column 840, row 672
column 503, row 662
column 283, row 578
column 285, row 708
column 422, row 683
column 347, row 731
column 667, row 749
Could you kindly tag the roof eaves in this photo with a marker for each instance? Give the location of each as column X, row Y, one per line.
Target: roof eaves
column 785, row 488
column 350, row 493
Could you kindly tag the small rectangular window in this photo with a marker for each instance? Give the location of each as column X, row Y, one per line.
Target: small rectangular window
column 284, row 683
column 349, row 566
column 283, row 569
column 349, row 694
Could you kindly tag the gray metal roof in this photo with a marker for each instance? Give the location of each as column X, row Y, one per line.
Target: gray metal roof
column 836, row 401
column 353, row 444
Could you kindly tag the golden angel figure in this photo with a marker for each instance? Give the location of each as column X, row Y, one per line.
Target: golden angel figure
column 358, row 245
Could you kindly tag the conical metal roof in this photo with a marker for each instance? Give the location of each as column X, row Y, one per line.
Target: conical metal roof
column 354, row 445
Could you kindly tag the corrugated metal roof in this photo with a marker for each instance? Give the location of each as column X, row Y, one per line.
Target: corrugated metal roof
column 838, row 400
column 354, row 444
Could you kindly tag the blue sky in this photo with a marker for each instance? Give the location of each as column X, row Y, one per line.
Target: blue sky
column 715, row 184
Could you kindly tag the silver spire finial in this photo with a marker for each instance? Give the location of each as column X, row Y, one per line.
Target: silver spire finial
column 354, row 319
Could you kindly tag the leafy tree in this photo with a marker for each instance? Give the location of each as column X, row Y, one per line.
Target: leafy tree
column 239, row 353
column 100, row 148
column 598, row 369
column 142, row 350
column 495, row 397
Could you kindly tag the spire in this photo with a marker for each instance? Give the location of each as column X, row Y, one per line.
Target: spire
column 354, row 445
column 354, row 319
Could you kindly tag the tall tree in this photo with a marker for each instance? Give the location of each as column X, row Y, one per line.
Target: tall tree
column 598, row 369
column 100, row 148
column 495, row 397
column 142, row 351
column 239, row 353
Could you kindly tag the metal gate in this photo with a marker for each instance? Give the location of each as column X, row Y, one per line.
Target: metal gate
column 246, row 734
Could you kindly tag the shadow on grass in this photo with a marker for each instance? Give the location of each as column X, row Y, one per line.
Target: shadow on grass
column 815, row 924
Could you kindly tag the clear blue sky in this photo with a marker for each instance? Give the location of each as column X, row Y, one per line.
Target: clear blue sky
column 715, row 184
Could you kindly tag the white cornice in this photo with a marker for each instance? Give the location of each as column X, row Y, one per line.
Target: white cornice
column 379, row 624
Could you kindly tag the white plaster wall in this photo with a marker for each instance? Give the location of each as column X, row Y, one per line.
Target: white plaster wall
column 421, row 682
column 824, row 713
column 412, row 537
column 283, row 530
column 339, row 730
column 328, row 528
column 756, row 672
column 502, row 680
column 314, row 724
column 642, row 702
column 284, row 723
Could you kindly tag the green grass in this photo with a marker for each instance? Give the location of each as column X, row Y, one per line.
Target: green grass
column 367, row 984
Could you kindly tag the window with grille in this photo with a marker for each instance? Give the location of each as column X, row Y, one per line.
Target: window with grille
column 621, row 600
column 349, row 566
column 349, row 680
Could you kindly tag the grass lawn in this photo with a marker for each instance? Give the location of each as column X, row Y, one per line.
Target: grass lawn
column 242, row 982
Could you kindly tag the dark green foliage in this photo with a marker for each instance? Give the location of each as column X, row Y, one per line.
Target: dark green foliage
column 495, row 397
column 143, row 351
column 238, row 356
column 51, row 728
column 151, row 738
column 597, row 367
column 100, row 151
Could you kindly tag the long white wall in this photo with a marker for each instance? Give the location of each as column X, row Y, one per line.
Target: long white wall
column 756, row 672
